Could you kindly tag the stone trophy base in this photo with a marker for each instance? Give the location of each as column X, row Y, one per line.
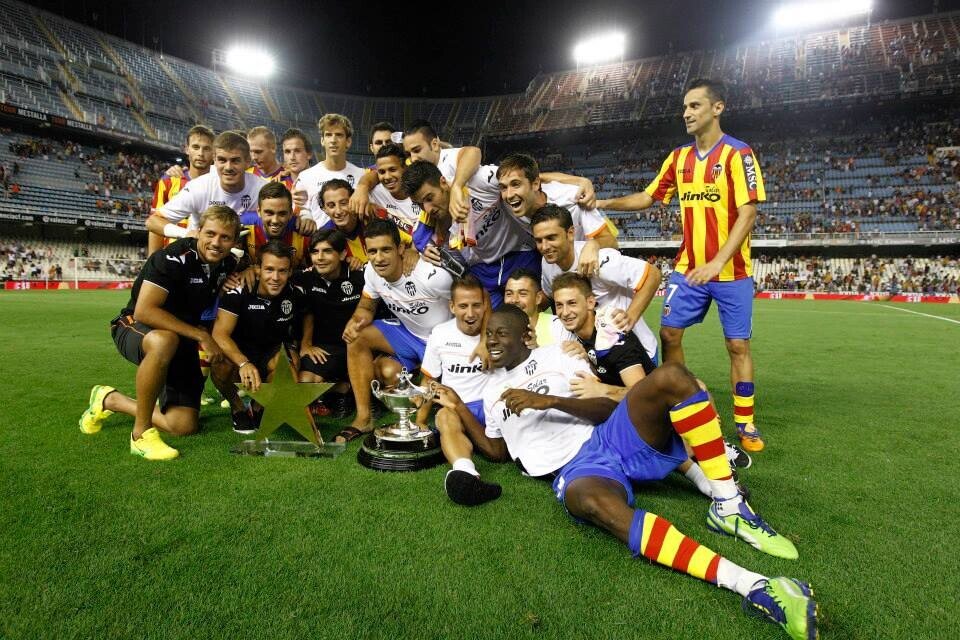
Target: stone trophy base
column 381, row 452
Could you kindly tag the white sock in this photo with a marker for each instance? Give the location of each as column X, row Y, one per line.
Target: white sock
column 736, row 578
column 696, row 476
column 726, row 496
column 465, row 464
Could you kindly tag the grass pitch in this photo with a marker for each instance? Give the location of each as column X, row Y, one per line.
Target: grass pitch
column 858, row 402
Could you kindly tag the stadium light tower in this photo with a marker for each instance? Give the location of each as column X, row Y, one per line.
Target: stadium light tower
column 600, row 48
column 799, row 15
column 245, row 61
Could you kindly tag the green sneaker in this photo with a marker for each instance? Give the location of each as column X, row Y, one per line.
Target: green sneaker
column 786, row 602
column 92, row 419
column 751, row 528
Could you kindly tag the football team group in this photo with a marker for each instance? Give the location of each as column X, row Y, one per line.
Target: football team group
column 503, row 286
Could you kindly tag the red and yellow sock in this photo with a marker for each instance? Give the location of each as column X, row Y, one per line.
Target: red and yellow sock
column 743, row 403
column 658, row 540
column 695, row 420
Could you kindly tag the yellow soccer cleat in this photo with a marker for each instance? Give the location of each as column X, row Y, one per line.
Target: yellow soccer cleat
column 92, row 419
column 150, row 447
column 750, row 438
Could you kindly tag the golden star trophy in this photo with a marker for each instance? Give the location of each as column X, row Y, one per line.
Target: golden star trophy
column 285, row 401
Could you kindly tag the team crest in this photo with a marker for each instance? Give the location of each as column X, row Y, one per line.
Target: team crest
column 286, row 307
column 666, row 310
column 347, row 287
column 245, row 203
column 531, row 367
column 350, row 180
column 716, row 170
column 411, row 288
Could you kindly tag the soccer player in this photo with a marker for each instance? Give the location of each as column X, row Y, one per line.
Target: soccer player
column 530, row 418
column 450, row 357
column 719, row 184
column 330, row 291
column 159, row 331
column 251, row 327
column 420, row 301
column 297, row 152
column 229, row 185
column 497, row 244
column 522, row 289
column 199, row 152
column 263, row 152
column 335, row 197
column 617, row 357
column 274, row 220
column 336, row 136
column 623, row 284
column 380, row 134
column 389, row 194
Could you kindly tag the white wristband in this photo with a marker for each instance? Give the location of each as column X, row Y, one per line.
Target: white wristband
column 171, row 230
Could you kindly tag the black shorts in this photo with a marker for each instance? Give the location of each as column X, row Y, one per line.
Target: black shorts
column 261, row 358
column 334, row 369
column 184, row 383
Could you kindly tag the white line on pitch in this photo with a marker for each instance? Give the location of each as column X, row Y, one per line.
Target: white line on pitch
column 927, row 315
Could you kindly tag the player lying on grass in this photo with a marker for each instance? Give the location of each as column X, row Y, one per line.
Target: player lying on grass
column 159, row 331
column 251, row 327
column 530, row 418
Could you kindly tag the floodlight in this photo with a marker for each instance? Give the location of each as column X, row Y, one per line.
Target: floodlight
column 806, row 14
column 600, row 48
column 250, row 61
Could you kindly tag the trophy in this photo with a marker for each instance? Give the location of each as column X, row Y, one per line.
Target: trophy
column 403, row 446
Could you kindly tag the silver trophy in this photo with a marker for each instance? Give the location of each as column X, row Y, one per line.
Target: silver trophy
column 404, row 446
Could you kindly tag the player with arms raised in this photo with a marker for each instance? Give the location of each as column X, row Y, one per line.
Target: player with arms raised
column 718, row 182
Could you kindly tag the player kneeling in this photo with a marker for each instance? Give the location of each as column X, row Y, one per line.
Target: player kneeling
column 159, row 331
column 252, row 326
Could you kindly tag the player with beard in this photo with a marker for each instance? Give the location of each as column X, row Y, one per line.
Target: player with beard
column 263, row 153
column 251, row 327
column 199, row 152
column 420, row 301
column 159, row 331
column 389, row 194
column 336, row 136
column 274, row 220
column 531, row 418
column 229, row 185
column 380, row 134
column 331, row 291
column 622, row 285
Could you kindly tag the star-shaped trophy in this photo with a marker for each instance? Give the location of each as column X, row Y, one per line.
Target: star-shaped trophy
column 285, row 401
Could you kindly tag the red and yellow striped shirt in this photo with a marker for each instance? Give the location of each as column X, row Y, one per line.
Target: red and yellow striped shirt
column 711, row 189
column 165, row 189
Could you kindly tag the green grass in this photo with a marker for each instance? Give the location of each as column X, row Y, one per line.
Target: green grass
column 858, row 402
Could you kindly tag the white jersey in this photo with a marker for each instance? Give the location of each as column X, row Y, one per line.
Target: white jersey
column 495, row 233
column 203, row 192
column 404, row 212
column 313, row 179
column 447, row 357
column 586, row 222
column 420, row 300
column 619, row 277
column 483, row 185
column 543, row 441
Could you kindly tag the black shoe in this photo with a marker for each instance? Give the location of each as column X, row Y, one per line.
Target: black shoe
column 736, row 456
column 469, row 490
column 341, row 405
column 243, row 422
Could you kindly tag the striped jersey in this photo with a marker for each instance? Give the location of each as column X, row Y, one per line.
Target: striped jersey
column 166, row 188
column 711, row 188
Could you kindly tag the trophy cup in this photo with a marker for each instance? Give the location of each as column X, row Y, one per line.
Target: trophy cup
column 403, row 446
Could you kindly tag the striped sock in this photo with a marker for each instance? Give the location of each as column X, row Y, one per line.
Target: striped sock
column 743, row 403
column 659, row 541
column 695, row 420
column 204, row 362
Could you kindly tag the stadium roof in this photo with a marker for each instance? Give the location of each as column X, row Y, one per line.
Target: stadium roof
column 403, row 49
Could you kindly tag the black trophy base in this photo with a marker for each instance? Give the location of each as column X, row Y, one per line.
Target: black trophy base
column 390, row 455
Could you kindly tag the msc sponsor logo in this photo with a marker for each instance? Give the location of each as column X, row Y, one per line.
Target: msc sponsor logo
column 750, row 171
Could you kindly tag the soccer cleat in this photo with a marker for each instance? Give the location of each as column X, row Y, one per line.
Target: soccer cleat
column 150, row 447
column 750, row 438
column 243, row 421
column 786, row 602
column 736, row 456
column 92, row 419
column 319, row 409
column 469, row 490
column 752, row 529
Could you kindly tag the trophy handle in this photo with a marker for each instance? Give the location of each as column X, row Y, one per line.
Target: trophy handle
column 375, row 388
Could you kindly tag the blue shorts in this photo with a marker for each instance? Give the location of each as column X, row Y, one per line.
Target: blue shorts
column 493, row 275
column 686, row 305
column 407, row 348
column 616, row 451
column 476, row 408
